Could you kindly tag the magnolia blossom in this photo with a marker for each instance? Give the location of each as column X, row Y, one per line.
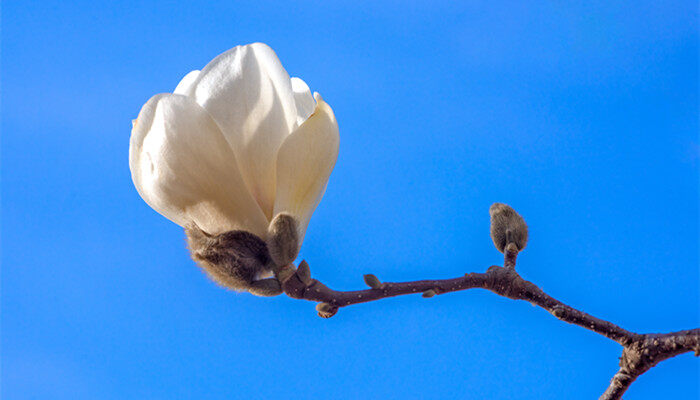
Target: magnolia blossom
column 234, row 145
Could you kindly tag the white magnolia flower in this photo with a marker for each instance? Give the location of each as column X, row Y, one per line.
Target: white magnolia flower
column 234, row 145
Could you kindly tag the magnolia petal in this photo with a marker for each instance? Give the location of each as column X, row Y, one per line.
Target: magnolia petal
column 184, row 168
column 304, row 164
column 303, row 99
column 249, row 95
column 186, row 83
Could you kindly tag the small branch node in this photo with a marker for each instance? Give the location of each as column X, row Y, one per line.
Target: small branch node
column 326, row 310
column 559, row 311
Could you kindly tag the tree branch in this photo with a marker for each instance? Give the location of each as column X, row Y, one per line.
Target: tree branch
column 640, row 351
column 504, row 281
column 645, row 352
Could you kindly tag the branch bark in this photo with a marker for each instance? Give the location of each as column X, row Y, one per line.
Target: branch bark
column 640, row 351
column 645, row 352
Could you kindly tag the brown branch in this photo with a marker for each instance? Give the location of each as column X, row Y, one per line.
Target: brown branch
column 645, row 352
column 504, row 281
column 640, row 351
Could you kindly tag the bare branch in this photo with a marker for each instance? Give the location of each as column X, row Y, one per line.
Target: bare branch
column 640, row 351
column 504, row 281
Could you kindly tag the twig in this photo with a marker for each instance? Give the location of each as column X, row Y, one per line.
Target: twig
column 640, row 351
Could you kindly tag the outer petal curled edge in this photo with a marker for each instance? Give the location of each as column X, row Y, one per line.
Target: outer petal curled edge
column 184, row 168
column 304, row 164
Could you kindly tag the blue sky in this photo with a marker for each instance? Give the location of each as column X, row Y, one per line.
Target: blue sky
column 581, row 115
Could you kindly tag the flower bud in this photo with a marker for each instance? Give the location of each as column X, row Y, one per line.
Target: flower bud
column 235, row 259
column 429, row 293
column 282, row 239
column 372, row 281
column 234, row 145
column 266, row 287
column 507, row 226
column 304, row 272
column 326, row 310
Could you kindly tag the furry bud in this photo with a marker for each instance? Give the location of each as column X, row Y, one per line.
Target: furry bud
column 265, row 287
column 507, row 226
column 372, row 281
column 283, row 239
column 235, row 259
column 304, row 272
column 429, row 293
column 326, row 310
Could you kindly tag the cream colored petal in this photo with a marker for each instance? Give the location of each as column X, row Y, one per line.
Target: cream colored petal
column 184, row 168
column 186, row 83
column 304, row 164
column 249, row 94
column 303, row 99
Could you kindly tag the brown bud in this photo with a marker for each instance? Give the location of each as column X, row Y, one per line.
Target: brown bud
column 233, row 259
column 372, row 281
column 283, row 239
column 326, row 310
column 266, row 287
column 558, row 311
column 507, row 226
column 429, row 293
column 304, row 273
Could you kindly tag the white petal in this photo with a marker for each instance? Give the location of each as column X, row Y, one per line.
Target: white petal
column 249, row 94
column 186, row 83
column 183, row 167
column 304, row 164
column 303, row 99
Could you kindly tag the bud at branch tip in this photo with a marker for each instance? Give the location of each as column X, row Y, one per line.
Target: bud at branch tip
column 507, row 228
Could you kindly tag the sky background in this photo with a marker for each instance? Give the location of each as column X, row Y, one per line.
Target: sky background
column 583, row 116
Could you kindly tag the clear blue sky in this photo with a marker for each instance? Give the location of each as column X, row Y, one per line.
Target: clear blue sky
column 583, row 116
